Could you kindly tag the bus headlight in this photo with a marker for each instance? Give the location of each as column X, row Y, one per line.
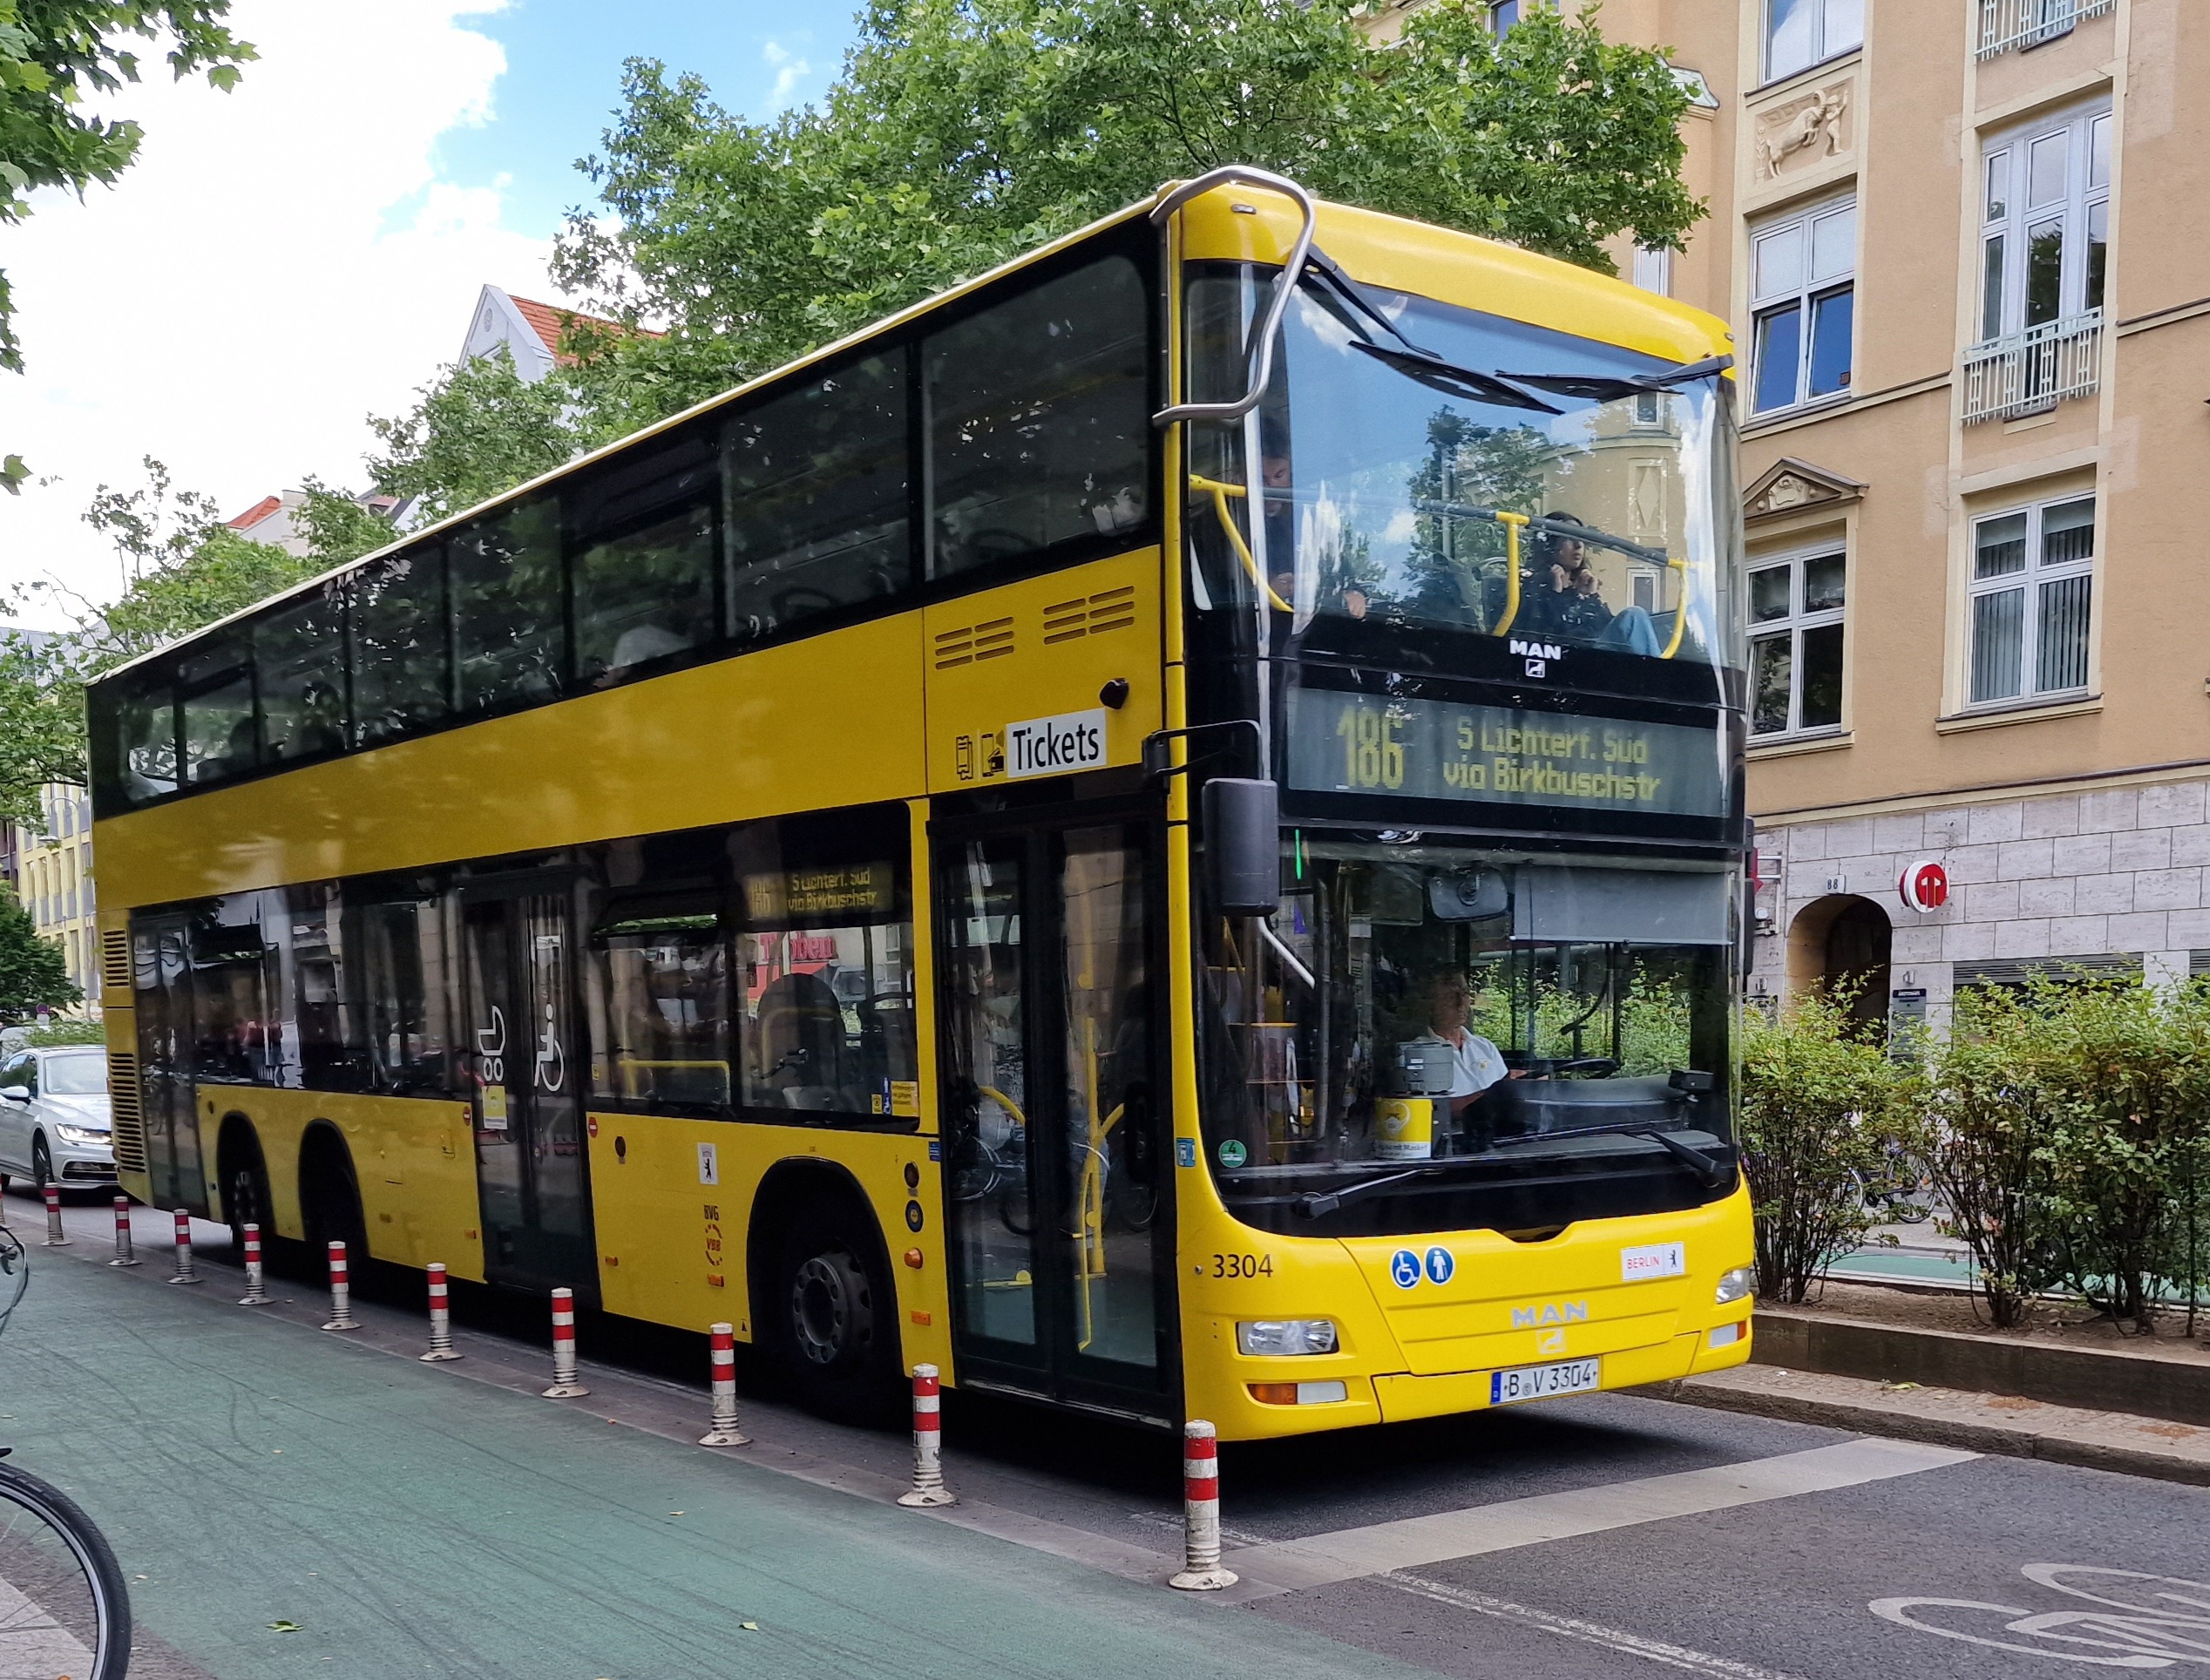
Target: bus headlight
column 1737, row 1286
column 1278, row 1336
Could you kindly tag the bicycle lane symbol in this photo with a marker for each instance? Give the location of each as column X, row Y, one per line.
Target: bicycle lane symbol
column 2161, row 1622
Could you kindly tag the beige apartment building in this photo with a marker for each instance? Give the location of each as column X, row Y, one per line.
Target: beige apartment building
column 54, row 881
column 1965, row 248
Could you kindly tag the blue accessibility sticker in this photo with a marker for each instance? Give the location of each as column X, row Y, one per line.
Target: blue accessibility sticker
column 1185, row 1152
column 1440, row 1265
column 1403, row 1267
column 935, row 1149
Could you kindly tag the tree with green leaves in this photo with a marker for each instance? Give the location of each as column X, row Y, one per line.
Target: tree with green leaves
column 54, row 54
column 964, row 132
column 33, row 975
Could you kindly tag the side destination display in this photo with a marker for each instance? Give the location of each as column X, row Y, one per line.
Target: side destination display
column 1437, row 749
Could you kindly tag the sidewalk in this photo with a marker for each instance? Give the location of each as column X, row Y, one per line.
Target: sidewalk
column 251, row 1473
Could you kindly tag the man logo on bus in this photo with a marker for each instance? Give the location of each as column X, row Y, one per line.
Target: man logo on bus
column 1925, row 886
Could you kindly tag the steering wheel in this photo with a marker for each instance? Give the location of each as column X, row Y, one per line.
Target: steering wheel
column 1597, row 1065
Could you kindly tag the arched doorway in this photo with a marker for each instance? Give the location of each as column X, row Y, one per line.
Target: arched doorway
column 1843, row 942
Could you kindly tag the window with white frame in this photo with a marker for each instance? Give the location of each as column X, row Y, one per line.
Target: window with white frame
column 1801, row 32
column 2044, row 241
column 2031, row 599
column 1802, row 305
column 1654, row 269
column 1796, row 644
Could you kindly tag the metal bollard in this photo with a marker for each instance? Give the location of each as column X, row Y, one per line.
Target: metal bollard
column 441, row 1317
column 256, row 1293
column 341, row 1292
column 186, row 1272
column 928, row 1487
column 54, row 1238
column 723, row 1355
column 564, row 1386
column 1201, row 1570
column 123, row 1254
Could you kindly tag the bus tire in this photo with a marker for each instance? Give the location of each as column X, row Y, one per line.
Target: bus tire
column 832, row 1314
column 244, row 1174
column 329, row 1200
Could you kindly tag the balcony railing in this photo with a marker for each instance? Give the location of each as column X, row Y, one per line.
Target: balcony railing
column 2035, row 370
column 2006, row 25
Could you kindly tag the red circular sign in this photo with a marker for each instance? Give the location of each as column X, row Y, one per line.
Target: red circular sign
column 1925, row 886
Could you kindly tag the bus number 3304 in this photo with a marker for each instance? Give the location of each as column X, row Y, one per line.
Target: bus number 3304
column 1243, row 1265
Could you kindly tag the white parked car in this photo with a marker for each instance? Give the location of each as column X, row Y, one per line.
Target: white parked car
column 55, row 1124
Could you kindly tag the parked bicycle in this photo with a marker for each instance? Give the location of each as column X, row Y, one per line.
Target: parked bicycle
column 65, row 1614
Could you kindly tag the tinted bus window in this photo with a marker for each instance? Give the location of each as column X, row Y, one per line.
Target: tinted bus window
column 817, row 486
column 660, row 972
column 399, row 950
column 133, row 725
column 400, row 681
column 299, row 654
column 510, row 643
column 217, row 713
column 642, row 529
column 235, row 1036
column 1039, row 419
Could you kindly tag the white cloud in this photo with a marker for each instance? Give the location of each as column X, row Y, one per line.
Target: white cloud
column 790, row 70
column 282, row 260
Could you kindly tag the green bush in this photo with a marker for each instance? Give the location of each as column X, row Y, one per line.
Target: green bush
column 1824, row 1112
column 66, row 1032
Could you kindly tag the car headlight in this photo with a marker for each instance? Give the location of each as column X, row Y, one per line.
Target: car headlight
column 1276, row 1336
column 78, row 1134
column 1737, row 1286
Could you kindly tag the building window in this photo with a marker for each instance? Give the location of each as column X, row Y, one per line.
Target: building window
column 2044, row 243
column 1503, row 14
column 1654, row 269
column 1800, row 33
column 1796, row 644
column 2032, row 583
column 1803, row 304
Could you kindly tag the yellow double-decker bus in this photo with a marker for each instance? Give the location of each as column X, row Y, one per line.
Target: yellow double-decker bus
column 1161, row 831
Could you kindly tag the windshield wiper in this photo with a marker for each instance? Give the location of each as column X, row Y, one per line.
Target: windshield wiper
column 1414, row 360
column 1612, row 387
column 1709, row 1173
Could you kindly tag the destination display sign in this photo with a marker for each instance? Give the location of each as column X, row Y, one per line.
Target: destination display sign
column 1492, row 755
column 799, row 894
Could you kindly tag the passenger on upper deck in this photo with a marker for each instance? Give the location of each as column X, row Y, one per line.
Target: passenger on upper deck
column 1559, row 601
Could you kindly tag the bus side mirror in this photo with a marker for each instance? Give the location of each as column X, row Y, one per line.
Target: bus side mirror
column 1243, row 846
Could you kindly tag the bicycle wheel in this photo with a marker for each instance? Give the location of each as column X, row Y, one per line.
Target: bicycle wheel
column 63, row 1612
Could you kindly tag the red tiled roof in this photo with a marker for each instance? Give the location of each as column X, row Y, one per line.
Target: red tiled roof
column 546, row 320
column 253, row 515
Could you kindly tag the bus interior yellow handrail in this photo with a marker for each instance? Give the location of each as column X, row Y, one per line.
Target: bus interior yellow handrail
column 1220, row 493
column 1680, row 611
column 1512, row 524
column 1004, row 1102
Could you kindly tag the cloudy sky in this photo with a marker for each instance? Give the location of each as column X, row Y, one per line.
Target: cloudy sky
column 291, row 257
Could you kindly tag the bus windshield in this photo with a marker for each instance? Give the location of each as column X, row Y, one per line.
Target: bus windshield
column 1473, row 1014
column 1567, row 507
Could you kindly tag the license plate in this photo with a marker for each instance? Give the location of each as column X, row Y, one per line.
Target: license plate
column 1543, row 1382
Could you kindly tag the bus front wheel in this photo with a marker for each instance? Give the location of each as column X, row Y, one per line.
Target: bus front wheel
column 833, row 1314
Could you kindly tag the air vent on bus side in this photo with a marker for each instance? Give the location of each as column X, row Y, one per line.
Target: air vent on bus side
column 1091, row 615
column 130, row 1116
column 992, row 638
column 115, row 962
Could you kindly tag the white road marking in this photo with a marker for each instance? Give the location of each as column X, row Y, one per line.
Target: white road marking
column 1378, row 1548
column 2168, row 1629
column 1588, row 1633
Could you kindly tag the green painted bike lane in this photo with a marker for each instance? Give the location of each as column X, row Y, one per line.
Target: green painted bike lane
column 250, row 1473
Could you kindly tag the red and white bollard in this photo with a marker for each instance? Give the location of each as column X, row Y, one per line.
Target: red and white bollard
column 186, row 1272
column 1201, row 1570
column 564, row 1386
column 341, row 1292
column 928, row 1487
column 54, row 1238
column 724, row 1432
column 441, row 1318
column 256, row 1293
column 123, row 1254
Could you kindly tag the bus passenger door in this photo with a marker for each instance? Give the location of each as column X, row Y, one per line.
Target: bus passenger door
column 161, row 984
column 1055, row 1145
column 526, row 1072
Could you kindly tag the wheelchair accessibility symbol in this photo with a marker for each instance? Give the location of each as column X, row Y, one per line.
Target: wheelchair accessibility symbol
column 1404, row 1268
column 1440, row 1265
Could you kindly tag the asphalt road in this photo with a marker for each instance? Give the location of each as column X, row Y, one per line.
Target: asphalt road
column 410, row 1519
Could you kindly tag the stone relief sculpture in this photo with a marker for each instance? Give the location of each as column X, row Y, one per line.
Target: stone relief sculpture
column 1811, row 124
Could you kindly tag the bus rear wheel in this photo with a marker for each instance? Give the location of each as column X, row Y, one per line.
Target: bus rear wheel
column 833, row 1315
